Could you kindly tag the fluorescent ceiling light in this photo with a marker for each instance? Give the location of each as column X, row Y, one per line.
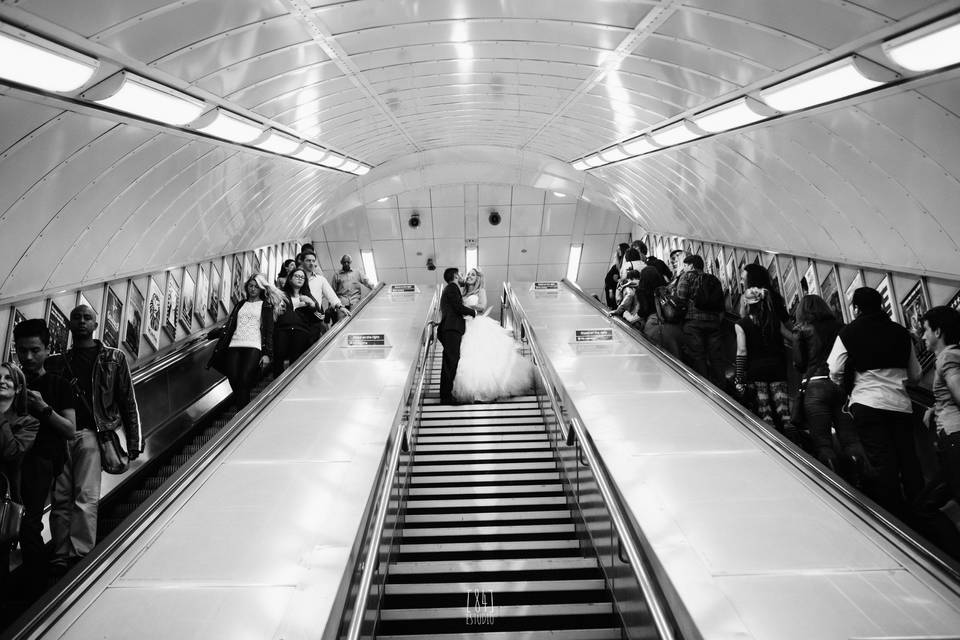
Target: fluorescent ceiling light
column 132, row 94
column 573, row 264
column 350, row 166
column 471, row 259
column 384, row 199
column 27, row 59
column 931, row 47
column 731, row 115
column 277, row 142
column 369, row 267
column 639, row 146
column 831, row 82
column 677, row 133
column 332, row 160
column 613, row 154
column 593, row 161
column 559, row 195
column 310, row 153
column 228, row 126
column 580, row 165
column 362, row 170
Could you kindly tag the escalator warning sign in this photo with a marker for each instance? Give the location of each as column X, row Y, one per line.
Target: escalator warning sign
column 594, row 335
column 366, row 340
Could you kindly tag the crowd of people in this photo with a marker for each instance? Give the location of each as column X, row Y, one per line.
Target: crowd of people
column 58, row 411
column 851, row 407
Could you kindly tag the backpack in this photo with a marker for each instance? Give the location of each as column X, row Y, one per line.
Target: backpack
column 709, row 294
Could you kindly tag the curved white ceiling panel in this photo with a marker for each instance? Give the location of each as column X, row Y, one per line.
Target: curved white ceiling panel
column 433, row 94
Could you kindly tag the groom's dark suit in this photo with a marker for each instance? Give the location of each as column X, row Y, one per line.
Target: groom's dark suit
column 450, row 332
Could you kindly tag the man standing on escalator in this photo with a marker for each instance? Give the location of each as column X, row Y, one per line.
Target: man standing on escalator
column 104, row 400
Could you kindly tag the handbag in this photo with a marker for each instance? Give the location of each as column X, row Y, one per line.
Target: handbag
column 670, row 308
column 797, row 415
column 11, row 513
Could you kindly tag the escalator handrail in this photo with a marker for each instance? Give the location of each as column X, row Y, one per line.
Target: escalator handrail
column 411, row 394
column 46, row 611
column 943, row 569
column 173, row 354
column 660, row 612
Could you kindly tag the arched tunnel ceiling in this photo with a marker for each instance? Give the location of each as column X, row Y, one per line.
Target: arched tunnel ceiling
column 89, row 194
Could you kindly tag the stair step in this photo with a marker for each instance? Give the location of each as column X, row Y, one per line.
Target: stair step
column 485, row 478
column 545, row 634
column 487, row 516
column 494, row 457
column 466, row 411
column 493, row 429
column 490, row 438
column 477, row 503
column 507, row 545
column 480, row 532
column 482, row 566
column 480, row 467
column 513, row 586
column 493, row 448
column 432, row 409
column 507, row 611
column 481, row 421
column 524, row 398
column 485, row 490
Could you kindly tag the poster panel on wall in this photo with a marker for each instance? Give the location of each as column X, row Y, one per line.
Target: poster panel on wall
column 853, row 286
column 171, row 307
column 808, row 284
column 830, row 291
column 884, row 289
column 131, row 339
column 16, row 317
column 151, row 330
column 112, row 319
column 58, row 324
column 187, row 294
column 213, row 308
column 236, row 280
column 774, row 272
column 914, row 305
column 202, row 297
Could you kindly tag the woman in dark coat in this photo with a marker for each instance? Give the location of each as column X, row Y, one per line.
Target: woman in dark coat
column 245, row 343
column 295, row 324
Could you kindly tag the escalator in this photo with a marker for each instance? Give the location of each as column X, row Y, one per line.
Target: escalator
column 489, row 546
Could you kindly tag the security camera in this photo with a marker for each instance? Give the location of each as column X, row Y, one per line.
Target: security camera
column 414, row 219
column 430, row 265
column 494, row 218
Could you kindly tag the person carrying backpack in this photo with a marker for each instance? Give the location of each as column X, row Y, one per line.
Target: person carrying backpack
column 702, row 340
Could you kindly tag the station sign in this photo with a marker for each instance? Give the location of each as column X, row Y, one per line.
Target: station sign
column 593, row 335
column 403, row 288
column 366, row 340
column 546, row 285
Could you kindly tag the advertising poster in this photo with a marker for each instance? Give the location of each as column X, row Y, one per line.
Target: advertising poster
column 57, row 322
column 830, row 291
column 213, row 306
column 187, row 294
column 236, row 281
column 856, row 284
column 914, row 305
column 247, row 268
column 17, row 318
column 154, row 314
column 808, row 285
column 203, row 295
column 774, row 273
column 171, row 307
column 131, row 339
column 719, row 271
column 112, row 319
column 955, row 301
column 791, row 287
column 884, row 289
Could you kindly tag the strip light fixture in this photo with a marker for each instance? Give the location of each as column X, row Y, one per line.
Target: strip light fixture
column 639, row 146
column 332, row 160
column 677, row 133
column 933, row 46
column 362, row 170
column 129, row 93
column 470, row 260
column 369, row 266
column 36, row 62
column 222, row 124
column 839, row 79
column 613, row 154
column 738, row 113
column 277, row 142
column 309, row 152
column 573, row 263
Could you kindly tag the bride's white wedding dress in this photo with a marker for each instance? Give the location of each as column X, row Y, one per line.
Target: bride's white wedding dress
column 491, row 366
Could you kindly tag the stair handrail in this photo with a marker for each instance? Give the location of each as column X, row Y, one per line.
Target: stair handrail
column 941, row 568
column 567, row 414
column 377, row 510
column 106, row 553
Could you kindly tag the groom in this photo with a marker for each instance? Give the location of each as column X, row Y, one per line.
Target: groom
column 450, row 331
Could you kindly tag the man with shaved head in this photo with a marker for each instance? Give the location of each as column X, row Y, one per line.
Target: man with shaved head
column 347, row 283
column 105, row 400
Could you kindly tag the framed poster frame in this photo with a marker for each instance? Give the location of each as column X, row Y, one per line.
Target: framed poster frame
column 112, row 318
column 59, row 325
column 153, row 313
column 810, row 278
column 830, row 292
column 202, row 296
column 134, row 319
column 188, row 291
column 216, row 292
column 913, row 306
column 16, row 317
column 171, row 306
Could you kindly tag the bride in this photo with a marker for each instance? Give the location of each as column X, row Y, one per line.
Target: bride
column 490, row 366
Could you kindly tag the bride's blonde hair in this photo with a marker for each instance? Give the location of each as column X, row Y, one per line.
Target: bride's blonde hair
column 476, row 286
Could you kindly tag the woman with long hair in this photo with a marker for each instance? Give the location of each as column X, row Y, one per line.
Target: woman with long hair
column 245, row 343
column 761, row 359
column 612, row 278
column 817, row 329
column 18, row 430
column 294, row 324
column 490, row 364
column 285, row 269
column 756, row 276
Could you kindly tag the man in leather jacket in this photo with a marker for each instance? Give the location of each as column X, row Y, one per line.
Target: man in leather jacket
column 105, row 400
